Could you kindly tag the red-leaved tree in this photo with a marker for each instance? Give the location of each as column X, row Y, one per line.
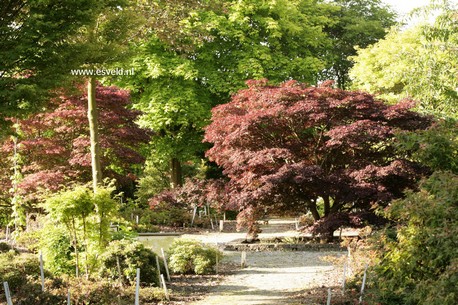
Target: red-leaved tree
column 290, row 148
column 55, row 147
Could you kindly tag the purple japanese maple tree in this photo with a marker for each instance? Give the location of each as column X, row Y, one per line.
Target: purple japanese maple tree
column 289, row 148
column 54, row 145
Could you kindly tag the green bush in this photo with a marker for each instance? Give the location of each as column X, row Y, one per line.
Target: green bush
column 4, row 247
column 58, row 254
column 188, row 256
column 131, row 255
column 419, row 264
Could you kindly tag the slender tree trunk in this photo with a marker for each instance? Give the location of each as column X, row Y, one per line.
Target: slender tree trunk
column 314, row 210
column 75, row 244
column 86, row 266
column 327, row 205
column 176, row 175
column 92, row 115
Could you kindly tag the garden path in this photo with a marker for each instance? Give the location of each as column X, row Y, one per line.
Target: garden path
column 274, row 278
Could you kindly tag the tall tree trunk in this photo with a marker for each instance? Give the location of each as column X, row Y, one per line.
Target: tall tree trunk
column 92, row 115
column 176, row 175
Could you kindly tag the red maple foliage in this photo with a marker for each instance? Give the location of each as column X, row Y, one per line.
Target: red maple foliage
column 287, row 148
column 55, row 145
column 195, row 192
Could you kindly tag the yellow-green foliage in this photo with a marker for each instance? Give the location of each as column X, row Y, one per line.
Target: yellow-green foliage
column 188, row 256
column 420, row 263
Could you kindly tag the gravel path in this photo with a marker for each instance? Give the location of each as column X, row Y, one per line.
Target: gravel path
column 274, row 278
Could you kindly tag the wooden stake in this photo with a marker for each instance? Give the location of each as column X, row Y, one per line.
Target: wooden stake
column 158, row 266
column 119, row 270
column 344, row 278
column 221, row 225
column 68, row 298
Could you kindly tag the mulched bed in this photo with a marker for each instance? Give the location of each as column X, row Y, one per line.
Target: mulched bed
column 189, row 287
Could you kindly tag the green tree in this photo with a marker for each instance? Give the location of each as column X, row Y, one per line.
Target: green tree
column 419, row 63
column 174, row 105
column 106, row 42
column 357, row 23
column 82, row 218
column 36, row 49
column 249, row 39
column 179, row 77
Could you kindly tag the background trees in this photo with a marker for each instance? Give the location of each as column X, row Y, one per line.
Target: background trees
column 36, row 54
column 418, row 62
column 356, row 24
column 197, row 56
column 286, row 147
column 54, row 144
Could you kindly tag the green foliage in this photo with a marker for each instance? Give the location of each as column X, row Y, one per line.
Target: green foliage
column 55, row 244
column 22, row 273
column 17, row 269
column 131, row 255
column 37, row 49
column 188, row 256
column 420, row 265
column 418, row 62
column 81, row 219
column 436, row 147
column 4, row 247
column 356, row 23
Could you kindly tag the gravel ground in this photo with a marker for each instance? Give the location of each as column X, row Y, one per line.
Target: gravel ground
column 274, row 278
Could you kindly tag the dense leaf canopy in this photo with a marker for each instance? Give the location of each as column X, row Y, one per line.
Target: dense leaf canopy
column 54, row 145
column 284, row 147
column 419, row 63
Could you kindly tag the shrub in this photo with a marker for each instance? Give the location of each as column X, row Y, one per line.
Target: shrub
column 187, row 256
column 419, row 264
column 102, row 292
column 131, row 255
column 4, row 247
column 22, row 272
column 14, row 268
column 57, row 251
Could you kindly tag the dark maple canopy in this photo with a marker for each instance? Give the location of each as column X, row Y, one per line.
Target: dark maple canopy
column 291, row 148
column 54, row 145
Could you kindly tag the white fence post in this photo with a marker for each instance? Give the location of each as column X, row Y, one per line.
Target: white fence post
column 165, row 264
column 243, row 259
column 7, row 293
column 363, row 284
column 329, row 297
column 137, row 288
column 42, row 273
column 165, row 288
